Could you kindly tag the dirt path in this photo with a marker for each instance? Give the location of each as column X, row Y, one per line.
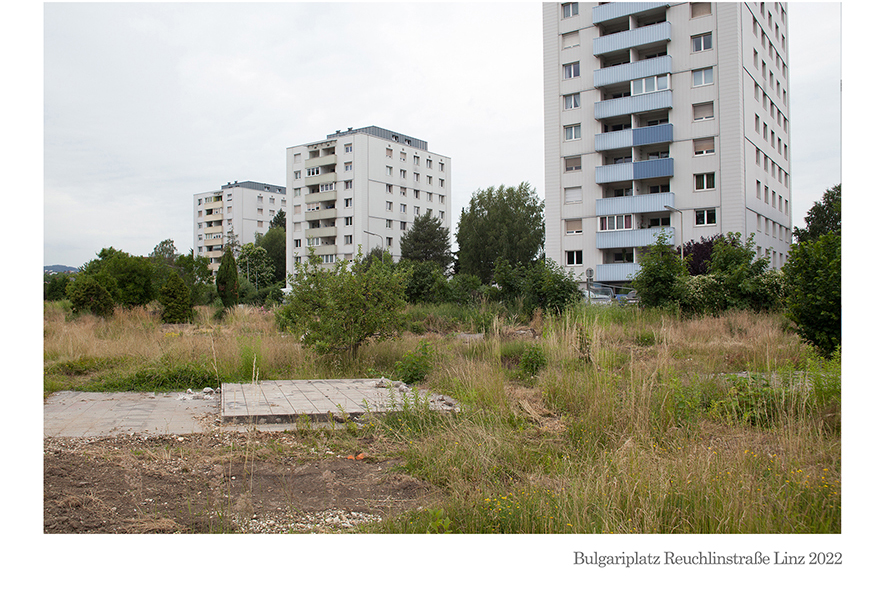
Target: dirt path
column 221, row 482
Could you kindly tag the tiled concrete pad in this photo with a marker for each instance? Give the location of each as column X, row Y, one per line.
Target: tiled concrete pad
column 285, row 401
column 80, row 414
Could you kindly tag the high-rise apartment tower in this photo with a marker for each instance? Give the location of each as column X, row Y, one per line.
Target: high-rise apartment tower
column 362, row 187
column 664, row 117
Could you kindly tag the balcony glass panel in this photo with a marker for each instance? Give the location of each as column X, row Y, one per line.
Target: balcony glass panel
column 636, row 104
column 634, row 204
column 632, row 238
column 634, row 38
column 614, row 10
column 632, row 71
column 616, row 272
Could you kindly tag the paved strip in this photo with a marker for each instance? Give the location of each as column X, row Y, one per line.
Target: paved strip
column 81, row 414
column 267, row 403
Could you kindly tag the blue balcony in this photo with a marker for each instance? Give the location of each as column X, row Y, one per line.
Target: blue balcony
column 634, row 137
column 632, row 71
column 634, row 104
column 632, row 238
column 624, row 40
column 631, row 171
column 616, row 272
column 614, row 10
column 634, row 204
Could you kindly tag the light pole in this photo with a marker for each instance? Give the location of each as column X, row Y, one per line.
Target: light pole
column 680, row 212
column 380, row 238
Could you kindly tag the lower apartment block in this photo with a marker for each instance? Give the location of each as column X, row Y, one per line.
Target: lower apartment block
column 242, row 208
column 361, row 188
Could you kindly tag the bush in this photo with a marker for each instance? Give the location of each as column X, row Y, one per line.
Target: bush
column 812, row 291
column 660, row 279
column 175, row 297
column 337, row 309
column 88, row 296
column 541, row 285
column 415, row 364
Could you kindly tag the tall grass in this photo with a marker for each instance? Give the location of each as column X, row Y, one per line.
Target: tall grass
column 628, row 421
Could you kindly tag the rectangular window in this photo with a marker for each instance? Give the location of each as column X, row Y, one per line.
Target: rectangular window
column 572, row 132
column 402, row 225
column 570, row 9
column 389, row 171
column 650, row 84
column 389, row 206
column 389, row 224
column 349, row 148
column 349, row 239
column 429, row 164
column 430, row 180
column 572, row 195
column 402, row 173
column 349, row 184
column 660, row 222
column 573, row 163
column 349, row 202
column 415, row 160
column 616, row 223
column 349, row 221
column 403, row 208
column 417, row 211
column 441, row 167
column 573, row 258
column 702, row 42
column 704, row 146
column 703, row 77
column 573, row 227
column 700, row 8
column 571, row 70
column 704, row 181
column 389, row 188
column 705, row 217
column 572, row 101
column 660, row 189
column 329, row 259
column 703, row 111
column 570, row 39
column 389, row 153
column 298, row 242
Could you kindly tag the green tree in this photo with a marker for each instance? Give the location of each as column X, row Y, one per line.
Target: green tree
column 194, row 271
column 813, row 293
column 128, row 279
column 54, row 288
column 255, row 264
column 87, row 295
column 427, row 240
column 506, row 223
column 226, row 280
column 540, row 285
column 824, row 217
column 658, row 283
column 426, row 282
column 337, row 309
column 175, row 297
column 274, row 242
column 279, row 221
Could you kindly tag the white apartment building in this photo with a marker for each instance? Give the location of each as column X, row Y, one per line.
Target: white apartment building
column 667, row 117
column 244, row 207
column 362, row 187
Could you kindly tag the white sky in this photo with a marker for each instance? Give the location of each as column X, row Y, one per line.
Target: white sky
column 148, row 104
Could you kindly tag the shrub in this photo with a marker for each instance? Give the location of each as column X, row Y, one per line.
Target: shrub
column 659, row 281
column 415, row 364
column 88, row 296
column 812, row 291
column 175, row 297
column 533, row 360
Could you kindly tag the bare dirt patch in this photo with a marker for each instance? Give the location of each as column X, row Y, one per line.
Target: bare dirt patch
column 220, row 482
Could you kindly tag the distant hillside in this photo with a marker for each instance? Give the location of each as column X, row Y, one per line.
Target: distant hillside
column 58, row 268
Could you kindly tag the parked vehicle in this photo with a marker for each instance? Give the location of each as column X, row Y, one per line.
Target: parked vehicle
column 630, row 298
column 599, row 296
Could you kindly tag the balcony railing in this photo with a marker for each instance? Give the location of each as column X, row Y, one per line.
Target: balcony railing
column 634, row 137
column 614, row 10
column 634, row 104
column 616, row 272
column 631, row 171
column 321, row 214
column 623, row 40
column 634, row 204
column 320, row 161
column 632, row 238
column 632, row 71
column 320, row 196
column 326, row 231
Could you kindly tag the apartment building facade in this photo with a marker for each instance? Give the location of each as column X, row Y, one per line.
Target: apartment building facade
column 361, row 187
column 243, row 208
column 664, row 117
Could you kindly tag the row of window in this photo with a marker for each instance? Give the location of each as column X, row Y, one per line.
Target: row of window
column 416, row 160
column 623, row 222
column 771, row 197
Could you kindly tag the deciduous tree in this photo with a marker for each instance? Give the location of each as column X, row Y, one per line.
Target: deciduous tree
column 506, row 223
column 427, row 240
column 824, row 217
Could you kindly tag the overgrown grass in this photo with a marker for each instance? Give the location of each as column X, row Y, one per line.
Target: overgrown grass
column 601, row 420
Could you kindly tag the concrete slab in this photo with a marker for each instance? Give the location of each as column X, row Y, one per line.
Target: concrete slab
column 81, row 414
column 277, row 403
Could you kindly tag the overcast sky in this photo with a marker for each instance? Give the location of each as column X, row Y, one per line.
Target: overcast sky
column 147, row 104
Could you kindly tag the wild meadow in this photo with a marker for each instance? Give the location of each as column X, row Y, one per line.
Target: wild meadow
column 599, row 420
